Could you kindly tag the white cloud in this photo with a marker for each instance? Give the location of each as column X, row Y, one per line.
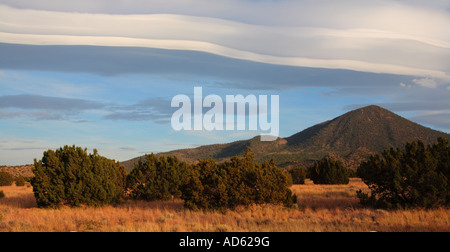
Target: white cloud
column 426, row 82
column 405, row 85
column 305, row 12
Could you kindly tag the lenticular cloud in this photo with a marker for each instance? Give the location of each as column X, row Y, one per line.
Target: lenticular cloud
column 395, row 40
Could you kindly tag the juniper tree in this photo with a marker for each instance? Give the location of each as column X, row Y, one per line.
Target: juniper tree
column 329, row 172
column 415, row 176
column 6, row 179
column 157, row 178
column 238, row 182
column 20, row 181
column 70, row 176
column 298, row 175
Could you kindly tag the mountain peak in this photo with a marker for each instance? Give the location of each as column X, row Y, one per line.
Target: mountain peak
column 372, row 127
column 372, row 107
column 371, row 110
column 353, row 135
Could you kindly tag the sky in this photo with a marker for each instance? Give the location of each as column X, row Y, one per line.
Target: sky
column 102, row 73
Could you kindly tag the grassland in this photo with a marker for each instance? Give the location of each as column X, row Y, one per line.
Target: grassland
column 320, row 209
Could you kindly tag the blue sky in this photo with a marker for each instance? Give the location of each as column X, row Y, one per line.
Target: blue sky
column 101, row 74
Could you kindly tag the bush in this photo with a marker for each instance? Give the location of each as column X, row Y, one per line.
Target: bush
column 298, row 176
column 416, row 176
column 2, row 194
column 157, row 178
column 20, row 181
column 352, row 173
column 239, row 182
column 329, row 172
column 6, row 179
column 70, row 176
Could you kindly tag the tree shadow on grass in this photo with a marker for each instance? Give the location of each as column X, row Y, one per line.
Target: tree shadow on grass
column 22, row 201
column 174, row 205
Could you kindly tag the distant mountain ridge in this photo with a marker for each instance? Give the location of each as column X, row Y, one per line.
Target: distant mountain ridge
column 351, row 137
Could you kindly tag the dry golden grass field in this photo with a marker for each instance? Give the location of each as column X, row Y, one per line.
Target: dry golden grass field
column 320, row 209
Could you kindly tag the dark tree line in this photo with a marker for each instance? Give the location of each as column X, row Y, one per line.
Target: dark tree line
column 324, row 172
column 329, row 172
column 298, row 175
column 415, row 176
column 72, row 177
column 239, row 182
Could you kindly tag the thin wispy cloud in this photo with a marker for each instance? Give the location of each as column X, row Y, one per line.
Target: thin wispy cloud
column 127, row 148
column 47, row 103
column 43, row 107
column 439, row 120
column 157, row 110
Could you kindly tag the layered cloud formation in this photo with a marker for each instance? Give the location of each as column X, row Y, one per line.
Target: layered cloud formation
column 116, row 64
column 387, row 38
